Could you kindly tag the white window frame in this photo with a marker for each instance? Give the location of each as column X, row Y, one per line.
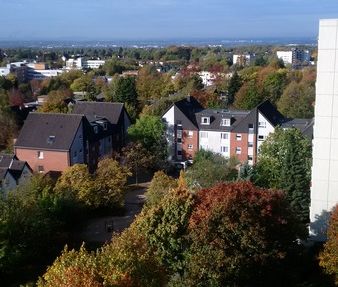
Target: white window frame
column 224, row 136
column 190, row 134
column 225, row 122
column 205, row 121
column 224, row 149
column 262, row 124
column 204, row 135
column 238, row 150
column 190, row 146
column 238, row 137
column 40, row 154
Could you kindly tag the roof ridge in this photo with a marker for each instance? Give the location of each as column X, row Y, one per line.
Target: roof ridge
column 55, row 114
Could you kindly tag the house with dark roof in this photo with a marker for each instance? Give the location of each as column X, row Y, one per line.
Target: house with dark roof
column 12, row 172
column 227, row 132
column 114, row 113
column 182, row 129
column 52, row 142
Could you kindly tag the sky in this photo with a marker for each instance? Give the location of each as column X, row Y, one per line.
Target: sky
column 162, row 19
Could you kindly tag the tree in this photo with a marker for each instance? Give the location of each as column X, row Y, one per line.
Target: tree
column 328, row 258
column 149, row 130
column 56, row 102
column 159, row 187
column 284, row 162
column 136, row 157
column 239, row 233
column 129, row 261
column 248, row 96
column 235, row 84
column 165, row 227
column 274, row 84
column 110, row 181
column 209, row 169
column 297, row 100
column 72, row 269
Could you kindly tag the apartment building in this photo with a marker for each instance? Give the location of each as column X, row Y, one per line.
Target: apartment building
column 294, row 56
column 81, row 63
column 227, row 132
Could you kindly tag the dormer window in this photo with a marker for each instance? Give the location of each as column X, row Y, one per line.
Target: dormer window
column 205, row 121
column 51, row 139
column 225, row 122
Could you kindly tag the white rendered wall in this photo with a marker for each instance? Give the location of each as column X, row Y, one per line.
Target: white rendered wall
column 324, row 190
column 214, row 142
column 263, row 131
column 169, row 121
column 286, row 56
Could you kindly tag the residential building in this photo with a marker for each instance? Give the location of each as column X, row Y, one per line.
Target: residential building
column 324, row 188
column 208, row 78
column 231, row 133
column 182, row 129
column 243, row 59
column 294, row 56
column 12, row 172
column 53, row 142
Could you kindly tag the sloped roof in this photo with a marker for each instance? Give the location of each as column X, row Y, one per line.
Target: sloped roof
column 93, row 110
column 49, row 131
column 188, row 107
column 271, row 113
column 216, row 116
column 10, row 163
column 304, row 125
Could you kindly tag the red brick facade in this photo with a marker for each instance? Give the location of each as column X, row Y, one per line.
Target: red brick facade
column 48, row 161
column 189, row 144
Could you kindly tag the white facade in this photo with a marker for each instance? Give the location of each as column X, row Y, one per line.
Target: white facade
column 42, row 74
column 324, row 189
column 80, row 63
column 207, row 78
column 286, row 56
column 4, row 71
column 169, row 121
column 215, row 141
column 264, row 129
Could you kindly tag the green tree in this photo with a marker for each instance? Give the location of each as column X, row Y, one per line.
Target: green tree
column 235, row 84
column 159, row 187
column 165, row 227
column 297, row 100
column 239, row 235
column 56, row 102
column 284, row 162
column 274, row 84
column 209, row 169
column 248, row 96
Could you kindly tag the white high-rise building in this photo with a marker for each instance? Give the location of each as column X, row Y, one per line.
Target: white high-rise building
column 324, row 190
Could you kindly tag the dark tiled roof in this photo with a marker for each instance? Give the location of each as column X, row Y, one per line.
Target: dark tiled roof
column 5, row 160
column 271, row 113
column 49, row 131
column 304, row 125
column 3, row 173
column 216, row 117
column 10, row 163
column 185, row 112
column 92, row 110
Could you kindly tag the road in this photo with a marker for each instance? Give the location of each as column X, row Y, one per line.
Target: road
column 96, row 228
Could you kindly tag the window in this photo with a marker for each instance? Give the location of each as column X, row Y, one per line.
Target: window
column 179, row 140
column 96, row 129
column 262, row 124
column 238, row 137
column 204, row 134
column 238, row 150
column 224, row 149
column 179, row 133
column 190, row 146
column 105, row 126
column 51, row 140
column 40, row 154
column 250, row 157
column 41, row 168
column 225, row 122
column 179, row 152
column 224, row 136
column 261, row 137
column 250, row 126
column 250, row 144
column 190, row 134
column 205, row 121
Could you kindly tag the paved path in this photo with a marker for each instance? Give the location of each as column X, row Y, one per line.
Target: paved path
column 96, row 229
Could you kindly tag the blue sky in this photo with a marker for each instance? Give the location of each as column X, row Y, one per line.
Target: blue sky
column 161, row 19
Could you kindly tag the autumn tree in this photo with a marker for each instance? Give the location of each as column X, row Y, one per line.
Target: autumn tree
column 159, row 187
column 239, row 233
column 56, row 102
column 284, row 162
column 72, row 269
column 248, row 96
column 328, row 258
column 165, row 227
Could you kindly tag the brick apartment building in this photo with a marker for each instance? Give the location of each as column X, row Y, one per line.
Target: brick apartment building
column 53, row 142
column 227, row 132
